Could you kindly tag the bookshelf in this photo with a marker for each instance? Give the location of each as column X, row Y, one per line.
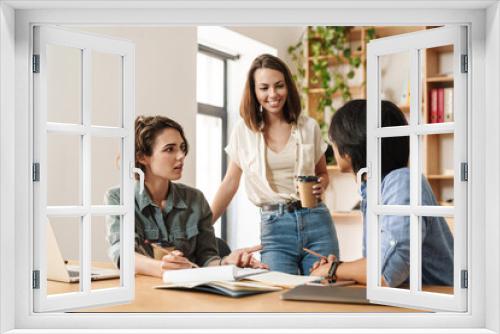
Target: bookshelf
column 438, row 157
column 436, row 74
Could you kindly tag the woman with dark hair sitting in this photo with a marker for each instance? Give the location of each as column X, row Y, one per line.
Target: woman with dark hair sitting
column 168, row 213
column 348, row 134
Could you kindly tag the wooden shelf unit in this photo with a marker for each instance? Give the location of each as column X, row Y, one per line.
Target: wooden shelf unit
column 436, row 147
column 433, row 77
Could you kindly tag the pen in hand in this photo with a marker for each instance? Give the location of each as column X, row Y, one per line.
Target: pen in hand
column 169, row 250
column 321, row 257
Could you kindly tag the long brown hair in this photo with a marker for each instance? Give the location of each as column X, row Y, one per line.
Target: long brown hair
column 249, row 107
column 147, row 128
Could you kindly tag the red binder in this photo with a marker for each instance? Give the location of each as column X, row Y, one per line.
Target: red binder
column 433, row 106
column 440, row 105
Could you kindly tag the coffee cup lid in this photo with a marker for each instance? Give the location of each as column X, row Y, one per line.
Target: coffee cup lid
column 307, row 178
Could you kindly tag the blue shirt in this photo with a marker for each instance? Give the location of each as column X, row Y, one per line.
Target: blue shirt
column 437, row 240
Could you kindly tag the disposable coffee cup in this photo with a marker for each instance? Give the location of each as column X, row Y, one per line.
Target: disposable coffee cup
column 159, row 252
column 306, row 183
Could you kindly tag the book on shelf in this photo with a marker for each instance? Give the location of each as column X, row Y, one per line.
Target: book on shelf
column 433, row 108
column 440, row 105
column 448, row 104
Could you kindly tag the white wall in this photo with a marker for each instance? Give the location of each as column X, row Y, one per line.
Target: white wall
column 165, row 85
column 280, row 38
column 7, row 166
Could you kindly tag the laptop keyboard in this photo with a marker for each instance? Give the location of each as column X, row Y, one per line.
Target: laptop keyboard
column 73, row 273
column 76, row 273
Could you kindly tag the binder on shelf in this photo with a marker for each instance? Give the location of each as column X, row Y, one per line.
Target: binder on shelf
column 448, row 104
column 433, row 110
column 440, row 105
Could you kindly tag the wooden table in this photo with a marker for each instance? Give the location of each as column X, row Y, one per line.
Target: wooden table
column 148, row 299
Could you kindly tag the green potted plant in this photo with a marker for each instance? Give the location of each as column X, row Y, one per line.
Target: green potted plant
column 328, row 45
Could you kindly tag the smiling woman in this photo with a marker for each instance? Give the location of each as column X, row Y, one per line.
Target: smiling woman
column 272, row 145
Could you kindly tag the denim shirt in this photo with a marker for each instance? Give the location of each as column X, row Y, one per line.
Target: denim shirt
column 185, row 223
column 437, row 240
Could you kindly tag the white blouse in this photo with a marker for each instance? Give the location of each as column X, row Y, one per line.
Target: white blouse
column 248, row 150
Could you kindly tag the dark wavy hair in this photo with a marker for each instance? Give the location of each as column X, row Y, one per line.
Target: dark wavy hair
column 249, row 107
column 348, row 132
column 147, row 128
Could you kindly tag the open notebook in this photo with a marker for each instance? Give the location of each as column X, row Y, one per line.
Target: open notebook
column 231, row 281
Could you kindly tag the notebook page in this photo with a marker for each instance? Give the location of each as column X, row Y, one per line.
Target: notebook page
column 276, row 278
column 200, row 275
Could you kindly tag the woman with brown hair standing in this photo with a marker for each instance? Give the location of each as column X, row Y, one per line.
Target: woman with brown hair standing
column 272, row 145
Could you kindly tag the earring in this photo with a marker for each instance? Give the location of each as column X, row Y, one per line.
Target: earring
column 261, row 110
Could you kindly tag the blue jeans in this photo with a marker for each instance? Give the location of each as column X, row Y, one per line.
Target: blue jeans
column 283, row 235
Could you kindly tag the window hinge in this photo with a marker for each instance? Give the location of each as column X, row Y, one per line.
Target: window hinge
column 36, row 279
column 36, row 172
column 36, row 63
column 464, row 171
column 465, row 66
column 465, row 279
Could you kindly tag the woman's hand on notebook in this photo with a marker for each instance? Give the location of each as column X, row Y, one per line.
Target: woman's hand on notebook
column 176, row 260
column 243, row 258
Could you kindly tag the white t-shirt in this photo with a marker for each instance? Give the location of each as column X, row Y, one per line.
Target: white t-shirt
column 248, row 150
column 280, row 168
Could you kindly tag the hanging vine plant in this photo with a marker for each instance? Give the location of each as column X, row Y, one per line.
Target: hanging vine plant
column 329, row 46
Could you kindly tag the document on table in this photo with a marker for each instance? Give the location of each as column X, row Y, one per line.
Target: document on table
column 275, row 278
column 209, row 274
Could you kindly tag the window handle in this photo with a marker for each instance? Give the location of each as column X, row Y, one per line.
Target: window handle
column 359, row 175
column 138, row 171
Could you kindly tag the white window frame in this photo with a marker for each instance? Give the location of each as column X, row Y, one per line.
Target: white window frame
column 415, row 44
column 87, row 43
column 483, row 123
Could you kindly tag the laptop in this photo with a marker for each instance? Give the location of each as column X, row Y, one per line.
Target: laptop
column 57, row 270
column 341, row 294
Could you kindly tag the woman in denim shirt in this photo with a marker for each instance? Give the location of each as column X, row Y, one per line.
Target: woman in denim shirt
column 168, row 213
column 348, row 134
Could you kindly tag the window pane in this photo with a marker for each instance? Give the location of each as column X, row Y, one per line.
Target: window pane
column 395, row 81
column 104, row 272
column 63, row 250
column 64, row 84
column 210, row 80
column 437, row 74
column 395, row 251
column 437, row 167
column 107, row 89
column 209, row 157
column 106, row 167
column 64, row 169
column 395, row 152
column 437, row 254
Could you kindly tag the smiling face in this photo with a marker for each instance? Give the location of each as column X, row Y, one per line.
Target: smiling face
column 167, row 159
column 270, row 89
